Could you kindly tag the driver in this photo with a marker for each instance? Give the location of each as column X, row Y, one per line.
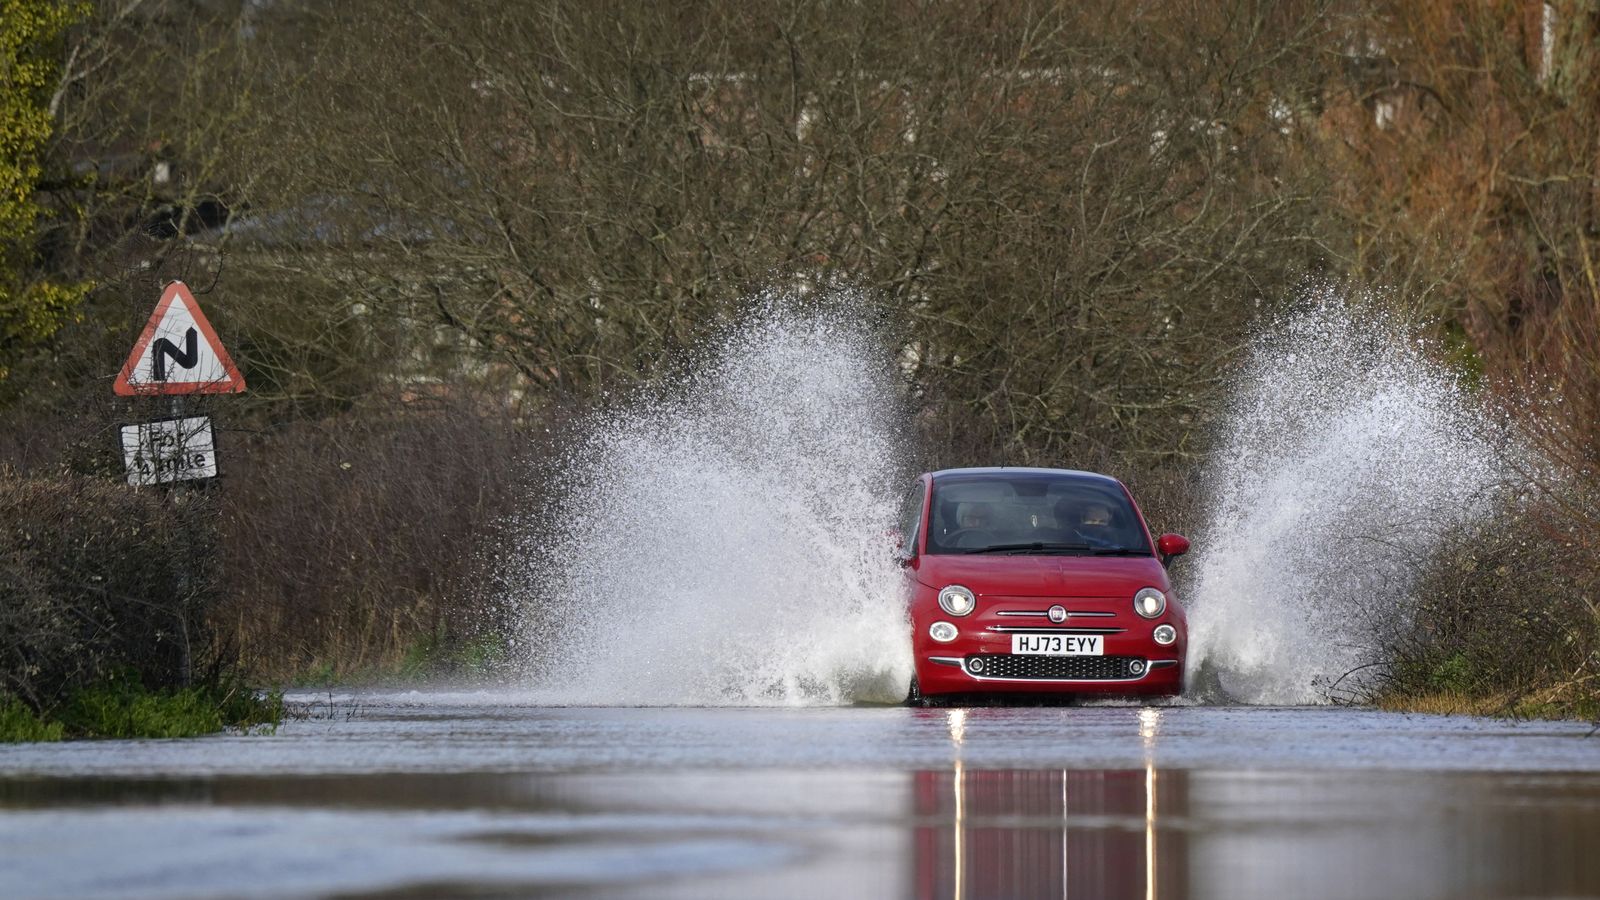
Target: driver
column 1095, row 515
column 1088, row 519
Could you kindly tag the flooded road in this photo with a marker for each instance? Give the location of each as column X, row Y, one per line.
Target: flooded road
column 408, row 794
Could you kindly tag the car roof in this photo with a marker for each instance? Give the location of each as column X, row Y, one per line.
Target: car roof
column 1024, row 470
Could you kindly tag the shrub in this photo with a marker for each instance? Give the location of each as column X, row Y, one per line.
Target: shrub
column 354, row 544
column 1506, row 620
column 98, row 578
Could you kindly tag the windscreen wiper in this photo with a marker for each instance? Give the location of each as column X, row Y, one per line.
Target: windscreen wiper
column 1033, row 547
column 1119, row 551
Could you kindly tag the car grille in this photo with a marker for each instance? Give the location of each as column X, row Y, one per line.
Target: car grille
column 1073, row 668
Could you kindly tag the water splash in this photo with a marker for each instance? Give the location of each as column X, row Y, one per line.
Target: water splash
column 1349, row 457
column 725, row 543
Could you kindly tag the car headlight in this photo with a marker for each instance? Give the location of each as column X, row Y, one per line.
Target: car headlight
column 943, row 632
column 957, row 600
column 1165, row 634
column 1149, row 603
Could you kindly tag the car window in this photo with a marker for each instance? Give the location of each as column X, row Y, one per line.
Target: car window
column 911, row 517
column 1070, row 513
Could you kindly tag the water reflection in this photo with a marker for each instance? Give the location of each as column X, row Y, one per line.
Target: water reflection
column 997, row 803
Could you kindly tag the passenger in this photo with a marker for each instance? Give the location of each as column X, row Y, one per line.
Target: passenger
column 977, row 515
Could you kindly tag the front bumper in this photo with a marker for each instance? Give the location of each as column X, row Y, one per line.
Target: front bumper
column 980, row 661
column 948, row 674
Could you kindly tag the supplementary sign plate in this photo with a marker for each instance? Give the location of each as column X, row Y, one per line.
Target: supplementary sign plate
column 169, row 450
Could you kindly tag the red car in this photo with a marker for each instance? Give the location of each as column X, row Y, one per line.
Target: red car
column 1037, row 581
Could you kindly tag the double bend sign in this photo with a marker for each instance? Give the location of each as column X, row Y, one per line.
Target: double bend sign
column 178, row 353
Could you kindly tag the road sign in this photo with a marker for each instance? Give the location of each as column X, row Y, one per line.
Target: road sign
column 169, row 450
column 178, row 353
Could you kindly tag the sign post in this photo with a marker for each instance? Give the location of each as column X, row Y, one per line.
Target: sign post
column 176, row 355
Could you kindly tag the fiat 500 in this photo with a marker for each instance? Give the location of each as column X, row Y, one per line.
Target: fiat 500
column 1037, row 581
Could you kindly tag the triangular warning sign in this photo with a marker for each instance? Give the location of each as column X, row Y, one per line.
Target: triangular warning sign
column 178, row 353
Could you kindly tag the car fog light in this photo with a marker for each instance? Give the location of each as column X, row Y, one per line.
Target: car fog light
column 943, row 632
column 1165, row 634
column 956, row 600
column 1149, row 603
column 975, row 664
column 1136, row 667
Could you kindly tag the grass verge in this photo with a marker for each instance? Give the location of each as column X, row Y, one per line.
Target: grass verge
column 1457, row 685
column 1534, row 706
column 19, row 723
column 124, row 708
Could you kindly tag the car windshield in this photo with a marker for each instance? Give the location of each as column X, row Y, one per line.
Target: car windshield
column 1033, row 513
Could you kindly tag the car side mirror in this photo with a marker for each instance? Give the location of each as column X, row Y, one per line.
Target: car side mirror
column 897, row 541
column 1171, row 546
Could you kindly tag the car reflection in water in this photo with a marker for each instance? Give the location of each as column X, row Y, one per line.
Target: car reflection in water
column 1047, row 833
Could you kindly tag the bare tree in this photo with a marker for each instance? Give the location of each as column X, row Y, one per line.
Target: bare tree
column 1076, row 209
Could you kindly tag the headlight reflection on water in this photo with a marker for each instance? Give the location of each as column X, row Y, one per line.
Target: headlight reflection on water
column 956, row 719
column 1149, row 723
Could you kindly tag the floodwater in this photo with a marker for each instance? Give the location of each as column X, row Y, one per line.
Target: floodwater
column 425, row 794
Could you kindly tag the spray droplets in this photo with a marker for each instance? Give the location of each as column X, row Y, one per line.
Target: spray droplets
column 727, row 544
column 1349, row 457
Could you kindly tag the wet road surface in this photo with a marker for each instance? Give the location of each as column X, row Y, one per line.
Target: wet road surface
column 423, row 794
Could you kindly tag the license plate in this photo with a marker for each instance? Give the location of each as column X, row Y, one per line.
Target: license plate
column 1059, row 644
